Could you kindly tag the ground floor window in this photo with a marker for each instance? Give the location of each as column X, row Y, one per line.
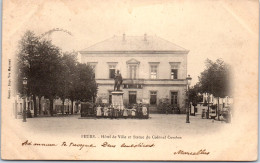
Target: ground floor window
column 132, row 97
column 153, row 97
column 174, row 98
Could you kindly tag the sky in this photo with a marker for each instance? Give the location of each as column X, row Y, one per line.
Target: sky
column 208, row 28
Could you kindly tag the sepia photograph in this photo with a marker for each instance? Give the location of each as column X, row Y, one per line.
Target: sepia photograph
column 129, row 80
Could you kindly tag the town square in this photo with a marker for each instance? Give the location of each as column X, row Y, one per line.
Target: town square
column 130, row 80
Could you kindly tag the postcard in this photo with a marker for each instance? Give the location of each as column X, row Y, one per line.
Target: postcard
column 173, row 80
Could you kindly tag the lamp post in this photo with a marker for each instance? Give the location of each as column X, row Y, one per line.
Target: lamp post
column 24, row 96
column 188, row 108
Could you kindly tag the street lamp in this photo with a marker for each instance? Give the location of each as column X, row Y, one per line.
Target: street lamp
column 188, row 108
column 24, row 96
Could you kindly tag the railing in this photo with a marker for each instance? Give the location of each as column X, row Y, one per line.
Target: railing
column 133, row 81
column 145, row 81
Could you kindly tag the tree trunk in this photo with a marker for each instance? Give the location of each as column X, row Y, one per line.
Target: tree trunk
column 218, row 108
column 40, row 105
column 208, row 103
column 190, row 108
column 72, row 106
column 34, row 106
column 51, row 107
column 62, row 111
column 208, row 111
column 77, row 107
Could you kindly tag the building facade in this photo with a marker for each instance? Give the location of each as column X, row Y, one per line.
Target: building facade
column 152, row 69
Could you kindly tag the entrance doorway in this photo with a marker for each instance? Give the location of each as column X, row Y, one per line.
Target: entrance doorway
column 132, row 97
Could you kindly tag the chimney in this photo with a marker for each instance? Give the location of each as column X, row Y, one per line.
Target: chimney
column 123, row 36
column 145, row 37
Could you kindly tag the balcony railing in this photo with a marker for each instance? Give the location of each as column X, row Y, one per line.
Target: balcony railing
column 140, row 82
column 133, row 81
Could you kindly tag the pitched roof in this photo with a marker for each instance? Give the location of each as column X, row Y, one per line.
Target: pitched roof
column 134, row 43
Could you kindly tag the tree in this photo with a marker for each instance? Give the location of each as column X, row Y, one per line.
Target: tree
column 69, row 62
column 39, row 61
column 50, row 70
column 52, row 75
column 85, row 83
column 83, row 86
column 194, row 94
column 215, row 79
column 27, row 65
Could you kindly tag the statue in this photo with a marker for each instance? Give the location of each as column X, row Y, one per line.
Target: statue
column 118, row 81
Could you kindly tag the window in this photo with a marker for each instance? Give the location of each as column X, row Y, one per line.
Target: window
column 153, row 97
column 93, row 69
column 174, row 69
column 153, row 71
column 132, row 97
column 174, row 74
column 132, row 69
column 174, row 98
column 112, row 70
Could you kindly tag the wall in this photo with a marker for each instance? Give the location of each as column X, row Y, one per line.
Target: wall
column 162, row 92
column 163, row 87
column 102, row 67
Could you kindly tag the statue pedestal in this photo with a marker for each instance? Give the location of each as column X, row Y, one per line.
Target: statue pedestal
column 117, row 100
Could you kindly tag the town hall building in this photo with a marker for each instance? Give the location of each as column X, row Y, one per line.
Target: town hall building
column 152, row 69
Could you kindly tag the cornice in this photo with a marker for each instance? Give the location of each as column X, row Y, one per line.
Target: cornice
column 135, row 52
column 145, row 79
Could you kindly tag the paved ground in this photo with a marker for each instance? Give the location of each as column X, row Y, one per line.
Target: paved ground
column 157, row 123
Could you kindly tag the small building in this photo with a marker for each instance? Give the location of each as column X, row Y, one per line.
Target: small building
column 152, row 68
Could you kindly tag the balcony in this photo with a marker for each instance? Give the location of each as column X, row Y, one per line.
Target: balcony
column 133, row 81
column 140, row 82
column 165, row 82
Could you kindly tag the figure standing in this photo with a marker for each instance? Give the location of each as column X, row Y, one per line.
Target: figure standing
column 99, row 112
column 105, row 111
column 118, row 81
